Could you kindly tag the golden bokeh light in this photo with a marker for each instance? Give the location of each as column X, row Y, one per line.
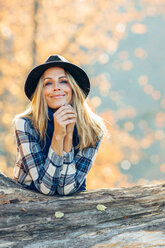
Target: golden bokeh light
column 156, row 95
column 143, row 80
column 148, row 89
column 128, row 126
column 124, row 55
column 162, row 168
column 126, row 65
column 96, row 35
column 140, row 53
column 139, row 28
column 95, row 101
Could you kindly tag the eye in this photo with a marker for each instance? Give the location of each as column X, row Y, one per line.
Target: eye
column 47, row 83
column 64, row 81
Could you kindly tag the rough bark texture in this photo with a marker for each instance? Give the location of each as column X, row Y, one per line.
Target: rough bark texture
column 134, row 217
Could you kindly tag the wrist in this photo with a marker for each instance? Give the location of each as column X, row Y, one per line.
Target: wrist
column 68, row 137
column 57, row 144
column 58, row 137
column 68, row 143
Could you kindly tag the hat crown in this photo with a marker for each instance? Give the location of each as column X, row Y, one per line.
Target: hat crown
column 55, row 58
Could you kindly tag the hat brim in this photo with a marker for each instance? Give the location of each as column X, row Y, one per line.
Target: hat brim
column 78, row 74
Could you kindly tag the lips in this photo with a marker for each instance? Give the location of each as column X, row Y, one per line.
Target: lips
column 57, row 96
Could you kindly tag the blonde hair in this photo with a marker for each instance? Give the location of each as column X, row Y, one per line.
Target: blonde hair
column 90, row 126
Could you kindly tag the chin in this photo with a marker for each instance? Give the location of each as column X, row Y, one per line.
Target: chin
column 55, row 107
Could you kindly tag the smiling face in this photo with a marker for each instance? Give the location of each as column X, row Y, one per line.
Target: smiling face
column 57, row 90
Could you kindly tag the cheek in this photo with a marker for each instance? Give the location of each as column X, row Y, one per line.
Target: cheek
column 45, row 93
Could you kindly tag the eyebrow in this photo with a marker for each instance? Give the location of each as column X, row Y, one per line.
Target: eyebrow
column 51, row 78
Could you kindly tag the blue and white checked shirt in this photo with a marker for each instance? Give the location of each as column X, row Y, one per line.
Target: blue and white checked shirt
column 53, row 174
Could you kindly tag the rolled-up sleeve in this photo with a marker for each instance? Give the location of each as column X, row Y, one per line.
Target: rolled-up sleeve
column 75, row 169
column 44, row 172
column 52, row 174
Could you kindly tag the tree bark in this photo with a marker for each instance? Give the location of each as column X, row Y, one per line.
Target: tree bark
column 35, row 31
column 134, row 217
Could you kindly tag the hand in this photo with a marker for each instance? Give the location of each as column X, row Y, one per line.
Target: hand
column 64, row 121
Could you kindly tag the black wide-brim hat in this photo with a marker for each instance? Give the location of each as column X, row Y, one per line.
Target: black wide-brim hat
column 56, row 61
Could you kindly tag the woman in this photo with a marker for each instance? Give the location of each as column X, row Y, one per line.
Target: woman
column 58, row 135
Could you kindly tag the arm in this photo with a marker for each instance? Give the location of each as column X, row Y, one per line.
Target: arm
column 64, row 121
column 45, row 172
column 75, row 169
column 32, row 164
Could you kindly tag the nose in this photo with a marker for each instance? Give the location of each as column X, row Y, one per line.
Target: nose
column 56, row 86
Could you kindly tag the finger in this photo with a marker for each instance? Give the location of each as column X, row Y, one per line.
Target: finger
column 71, row 107
column 64, row 112
column 62, row 117
column 69, row 121
column 68, row 106
column 66, row 117
column 60, row 109
column 64, row 109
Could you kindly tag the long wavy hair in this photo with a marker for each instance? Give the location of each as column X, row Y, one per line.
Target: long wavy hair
column 90, row 126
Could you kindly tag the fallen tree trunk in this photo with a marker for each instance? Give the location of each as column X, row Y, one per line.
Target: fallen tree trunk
column 134, row 217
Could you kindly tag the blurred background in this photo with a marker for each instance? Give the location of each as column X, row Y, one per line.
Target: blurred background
column 121, row 45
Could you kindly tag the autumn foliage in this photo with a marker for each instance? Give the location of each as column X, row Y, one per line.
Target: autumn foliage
column 89, row 34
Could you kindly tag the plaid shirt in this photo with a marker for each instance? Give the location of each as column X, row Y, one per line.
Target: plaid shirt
column 52, row 174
